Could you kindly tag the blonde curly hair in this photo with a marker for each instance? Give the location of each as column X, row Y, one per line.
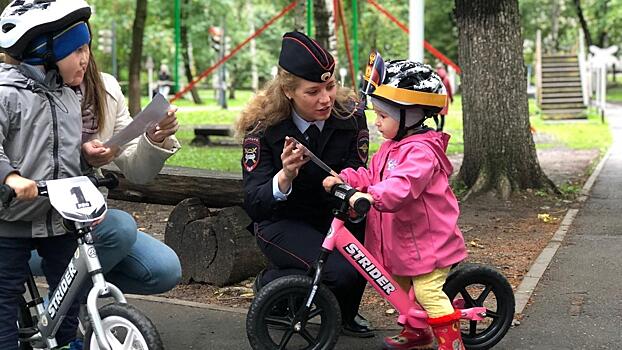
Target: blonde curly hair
column 270, row 105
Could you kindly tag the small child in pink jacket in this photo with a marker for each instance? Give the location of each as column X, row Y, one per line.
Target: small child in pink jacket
column 412, row 227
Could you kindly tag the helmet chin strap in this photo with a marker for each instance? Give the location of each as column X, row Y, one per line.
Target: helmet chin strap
column 49, row 59
column 403, row 129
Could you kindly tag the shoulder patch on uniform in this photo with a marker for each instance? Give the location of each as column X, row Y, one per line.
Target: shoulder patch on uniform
column 252, row 147
column 362, row 144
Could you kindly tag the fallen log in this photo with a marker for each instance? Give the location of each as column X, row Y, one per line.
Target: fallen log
column 215, row 248
column 174, row 184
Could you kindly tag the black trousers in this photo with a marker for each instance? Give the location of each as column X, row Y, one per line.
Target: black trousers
column 292, row 247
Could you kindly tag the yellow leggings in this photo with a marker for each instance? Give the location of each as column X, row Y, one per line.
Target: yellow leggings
column 429, row 291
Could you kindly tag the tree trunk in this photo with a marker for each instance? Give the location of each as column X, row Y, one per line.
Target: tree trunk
column 499, row 151
column 300, row 16
column 325, row 35
column 584, row 27
column 138, row 30
column 555, row 12
column 185, row 47
column 603, row 35
column 215, row 249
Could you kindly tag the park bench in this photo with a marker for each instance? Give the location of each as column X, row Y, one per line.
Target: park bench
column 202, row 135
column 207, row 228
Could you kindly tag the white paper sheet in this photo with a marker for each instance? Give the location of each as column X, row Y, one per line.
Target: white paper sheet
column 152, row 114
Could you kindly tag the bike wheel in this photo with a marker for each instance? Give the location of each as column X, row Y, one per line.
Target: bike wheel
column 24, row 321
column 269, row 322
column 477, row 285
column 125, row 327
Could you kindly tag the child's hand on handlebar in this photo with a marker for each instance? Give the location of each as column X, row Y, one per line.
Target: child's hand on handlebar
column 359, row 195
column 331, row 181
column 25, row 189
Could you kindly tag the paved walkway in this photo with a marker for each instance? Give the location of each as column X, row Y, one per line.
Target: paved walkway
column 578, row 302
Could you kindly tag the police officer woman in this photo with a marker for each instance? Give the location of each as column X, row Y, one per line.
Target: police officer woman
column 283, row 191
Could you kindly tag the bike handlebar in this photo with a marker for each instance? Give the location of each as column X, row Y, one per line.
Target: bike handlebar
column 344, row 192
column 7, row 194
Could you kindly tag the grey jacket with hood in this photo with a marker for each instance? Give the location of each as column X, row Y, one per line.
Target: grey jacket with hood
column 40, row 138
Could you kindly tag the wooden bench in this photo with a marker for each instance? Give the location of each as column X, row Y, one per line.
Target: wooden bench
column 202, row 134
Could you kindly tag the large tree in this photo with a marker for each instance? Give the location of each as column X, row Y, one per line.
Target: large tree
column 136, row 55
column 185, row 48
column 499, row 151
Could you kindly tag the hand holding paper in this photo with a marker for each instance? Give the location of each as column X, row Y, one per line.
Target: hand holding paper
column 155, row 112
column 166, row 127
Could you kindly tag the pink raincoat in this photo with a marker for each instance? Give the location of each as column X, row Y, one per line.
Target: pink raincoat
column 412, row 228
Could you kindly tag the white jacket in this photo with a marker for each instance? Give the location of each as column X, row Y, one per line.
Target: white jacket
column 140, row 160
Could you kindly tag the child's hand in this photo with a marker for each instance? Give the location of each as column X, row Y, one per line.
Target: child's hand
column 331, row 181
column 25, row 189
column 97, row 155
column 358, row 195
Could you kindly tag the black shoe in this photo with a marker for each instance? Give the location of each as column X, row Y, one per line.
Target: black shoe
column 257, row 285
column 354, row 329
column 362, row 321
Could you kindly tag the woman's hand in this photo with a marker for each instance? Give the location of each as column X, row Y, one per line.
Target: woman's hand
column 331, row 181
column 97, row 155
column 25, row 189
column 358, row 195
column 165, row 128
column 293, row 158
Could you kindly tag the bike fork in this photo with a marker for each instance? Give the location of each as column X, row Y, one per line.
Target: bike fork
column 316, row 272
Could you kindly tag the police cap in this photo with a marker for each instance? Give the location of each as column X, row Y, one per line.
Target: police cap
column 305, row 58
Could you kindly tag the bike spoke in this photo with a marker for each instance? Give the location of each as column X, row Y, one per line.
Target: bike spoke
column 305, row 334
column 286, row 338
column 472, row 328
column 484, row 295
column 468, row 300
column 129, row 340
column 291, row 303
column 492, row 314
column 113, row 340
column 278, row 321
column 314, row 313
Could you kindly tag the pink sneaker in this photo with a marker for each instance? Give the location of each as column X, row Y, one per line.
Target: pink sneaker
column 410, row 339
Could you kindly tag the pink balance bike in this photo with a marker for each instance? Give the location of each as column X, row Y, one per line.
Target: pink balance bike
column 298, row 312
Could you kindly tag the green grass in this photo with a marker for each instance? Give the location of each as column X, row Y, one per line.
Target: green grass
column 577, row 135
column 614, row 93
column 206, row 157
column 208, row 99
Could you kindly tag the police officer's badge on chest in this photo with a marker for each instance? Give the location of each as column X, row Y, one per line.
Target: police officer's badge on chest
column 251, row 152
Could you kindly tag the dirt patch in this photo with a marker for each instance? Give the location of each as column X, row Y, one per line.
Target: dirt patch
column 508, row 235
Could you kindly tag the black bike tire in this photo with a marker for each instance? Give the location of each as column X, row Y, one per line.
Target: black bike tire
column 469, row 274
column 24, row 320
column 136, row 317
column 257, row 329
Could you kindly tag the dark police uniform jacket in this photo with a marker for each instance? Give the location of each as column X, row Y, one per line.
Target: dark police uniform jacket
column 342, row 143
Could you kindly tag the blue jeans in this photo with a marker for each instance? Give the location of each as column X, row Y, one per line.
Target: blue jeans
column 14, row 255
column 132, row 260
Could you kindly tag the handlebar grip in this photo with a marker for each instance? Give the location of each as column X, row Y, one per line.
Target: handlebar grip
column 361, row 206
column 7, row 194
column 109, row 181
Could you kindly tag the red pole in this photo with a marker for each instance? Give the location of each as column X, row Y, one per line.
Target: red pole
column 426, row 44
column 233, row 52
